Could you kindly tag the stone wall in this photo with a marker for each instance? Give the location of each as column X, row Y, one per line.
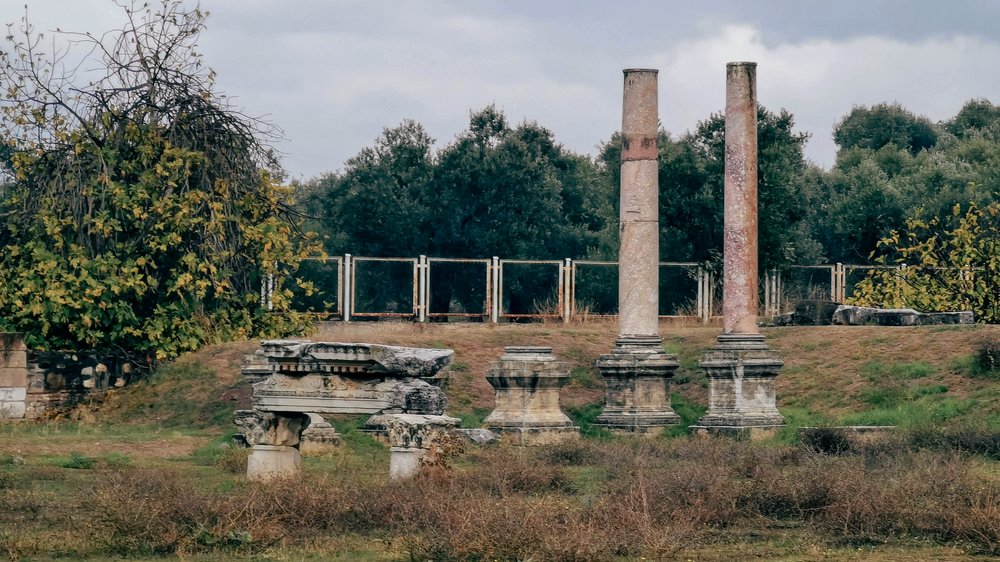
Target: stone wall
column 34, row 383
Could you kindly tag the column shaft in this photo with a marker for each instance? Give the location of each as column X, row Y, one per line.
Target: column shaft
column 740, row 300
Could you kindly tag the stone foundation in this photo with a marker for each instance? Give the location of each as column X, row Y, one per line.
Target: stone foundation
column 741, row 374
column 267, row 462
column 35, row 383
column 637, row 386
column 526, row 381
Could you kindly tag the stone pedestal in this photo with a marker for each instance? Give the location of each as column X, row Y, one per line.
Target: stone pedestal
column 412, row 438
column 526, row 381
column 741, row 373
column 637, row 386
column 320, row 437
column 404, row 462
column 267, row 462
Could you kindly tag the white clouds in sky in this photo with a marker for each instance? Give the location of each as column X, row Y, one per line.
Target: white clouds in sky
column 820, row 80
column 333, row 74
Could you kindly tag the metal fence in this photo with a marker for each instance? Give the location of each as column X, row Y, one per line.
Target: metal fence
column 425, row 289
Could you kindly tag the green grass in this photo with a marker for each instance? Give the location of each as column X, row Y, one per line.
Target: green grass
column 689, row 412
column 473, row 418
column 928, row 410
column 876, row 371
column 584, row 377
column 585, row 416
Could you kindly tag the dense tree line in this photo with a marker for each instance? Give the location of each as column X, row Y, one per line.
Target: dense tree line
column 513, row 191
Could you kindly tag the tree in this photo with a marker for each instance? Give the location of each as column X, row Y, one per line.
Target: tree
column 691, row 178
column 145, row 211
column 950, row 263
column 975, row 117
column 884, row 124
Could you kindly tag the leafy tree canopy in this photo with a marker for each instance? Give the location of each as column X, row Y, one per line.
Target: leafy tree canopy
column 144, row 211
column 884, row 124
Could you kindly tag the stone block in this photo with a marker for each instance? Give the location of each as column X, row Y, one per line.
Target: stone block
column 526, row 382
column 13, row 376
column 539, row 436
column 739, row 433
column 13, row 359
column 320, row 437
column 13, row 404
column 741, row 373
column 477, row 436
column 404, row 462
column 637, row 386
column 268, row 462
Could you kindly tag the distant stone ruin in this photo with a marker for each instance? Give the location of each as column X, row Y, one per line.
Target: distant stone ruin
column 35, row 384
column 399, row 386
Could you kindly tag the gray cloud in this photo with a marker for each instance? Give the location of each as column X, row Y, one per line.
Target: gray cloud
column 333, row 74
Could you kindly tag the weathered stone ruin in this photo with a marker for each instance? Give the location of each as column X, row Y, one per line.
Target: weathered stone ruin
column 637, row 372
column 847, row 315
column 34, row 384
column 308, row 380
column 526, row 381
column 741, row 369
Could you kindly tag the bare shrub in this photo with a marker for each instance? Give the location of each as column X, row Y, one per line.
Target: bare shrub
column 233, row 460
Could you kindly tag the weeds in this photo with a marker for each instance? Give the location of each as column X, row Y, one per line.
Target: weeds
column 986, row 358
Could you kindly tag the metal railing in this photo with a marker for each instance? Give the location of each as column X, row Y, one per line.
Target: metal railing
column 494, row 289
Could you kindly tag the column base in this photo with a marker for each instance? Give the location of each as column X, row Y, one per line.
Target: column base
column 268, row 462
column 319, row 437
column 741, row 372
column 404, row 462
column 637, row 386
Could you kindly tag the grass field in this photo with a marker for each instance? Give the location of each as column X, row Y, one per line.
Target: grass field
column 145, row 473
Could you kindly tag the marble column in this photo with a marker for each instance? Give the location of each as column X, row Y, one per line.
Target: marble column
column 637, row 372
column 740, row 368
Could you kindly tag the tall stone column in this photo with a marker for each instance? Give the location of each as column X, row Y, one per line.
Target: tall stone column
column 637, row 372
column 740, row 368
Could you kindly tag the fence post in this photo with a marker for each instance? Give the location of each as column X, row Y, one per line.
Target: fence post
column 711, row 296
column 565, row 290
column 495, row 290
column 348, row 289
column 776, row 293
column 767, row 295
column 700, row 306
column 572, row 290
column 422, row 281
column 843, row 282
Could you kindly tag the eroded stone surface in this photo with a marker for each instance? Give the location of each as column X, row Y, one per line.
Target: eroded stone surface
column 301, row 356
column 638, row 254
column 319, row 436
column 741, row 374
column 636, row 373
column 268, row 428
column 848, row 315
column 412, row 438
column 526, row 383
column 637, row 387
column 739, row 304
column 268, row 462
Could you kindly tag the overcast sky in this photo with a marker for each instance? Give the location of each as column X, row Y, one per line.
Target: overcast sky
column 333, row 73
